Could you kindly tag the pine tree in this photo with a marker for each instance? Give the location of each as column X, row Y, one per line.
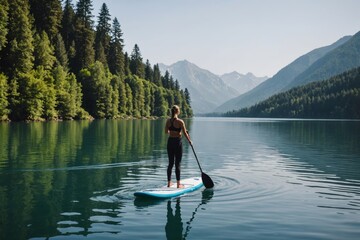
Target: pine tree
column 177, row 86
column 157, row 75
column 43, row 51
column 127, row 64
column 60, row 52
column 166, row 80
column 100, row 99
column 47, row 15
column 31, row 98
column 18, row 53
column 102, row 39
column 4, row 103
column 148, row 100
column 84, row 35
column 160, row 109
column 4, row 7
column 136, row 62
column 68, row 24
column 100, row 54
column 187, row 97
column 148, row 71
column 119, row 85
column 45, row 86
column 116, row 57
column 129, row 100
column 69, row 95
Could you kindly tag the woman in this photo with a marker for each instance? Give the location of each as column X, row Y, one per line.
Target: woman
column 173, row 127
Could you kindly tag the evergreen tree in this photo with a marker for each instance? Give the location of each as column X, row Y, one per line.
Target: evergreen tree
column 84, row 35
column 43, row 51
column 136, row 64
column 157, row 75
column 60, row 52
column 65, row 104
column 119, row 85
column 160, row 108
column 100, row 54
column 102, row 39
column 127, row 64
column 187, row 103
column 47, row 15
column 138, row 95
column 4, row 103
column 14, row 99
column 129, row 100
column 68, row 25
column 187, row 97
column 100, row 99
column 177, row 86
column 148, row 99
column 116, row 57
column 148, row 72
column 18, row 53
column 69, row 95
column 166, row 80
column 171, row 83
column 4, row 7
column 45, row 86
column 31, row 97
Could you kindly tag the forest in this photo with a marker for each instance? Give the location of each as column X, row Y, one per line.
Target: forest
column 337, row 97
column 57, row 63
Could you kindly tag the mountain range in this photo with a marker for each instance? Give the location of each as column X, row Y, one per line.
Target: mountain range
column 208, row 90
column 232, row 91
column 319, row 64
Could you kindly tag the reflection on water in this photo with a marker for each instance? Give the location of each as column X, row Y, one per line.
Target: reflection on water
column 274, row 179
column 174, row 224
column 325, row 155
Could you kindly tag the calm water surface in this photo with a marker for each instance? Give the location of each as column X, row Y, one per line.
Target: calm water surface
column 274, row 179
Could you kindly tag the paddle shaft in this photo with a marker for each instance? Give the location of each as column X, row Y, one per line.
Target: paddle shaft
column 197, row 160
column 205, row 178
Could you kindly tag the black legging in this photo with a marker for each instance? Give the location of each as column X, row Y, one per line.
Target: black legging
column 174, row 149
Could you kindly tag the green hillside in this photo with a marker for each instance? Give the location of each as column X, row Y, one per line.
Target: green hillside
column 284, row 78
column 337, row 61
column 337, row 97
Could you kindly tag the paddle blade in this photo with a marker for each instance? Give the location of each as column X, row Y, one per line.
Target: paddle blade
column 208, row 183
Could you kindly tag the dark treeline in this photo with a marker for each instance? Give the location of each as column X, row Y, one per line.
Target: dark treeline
column 338, row 97
column 57, row 63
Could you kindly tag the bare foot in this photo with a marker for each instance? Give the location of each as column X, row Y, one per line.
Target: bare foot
column 180, row 186
column 169, row 184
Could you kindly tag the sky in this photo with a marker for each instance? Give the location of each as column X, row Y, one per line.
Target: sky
column 257, row 36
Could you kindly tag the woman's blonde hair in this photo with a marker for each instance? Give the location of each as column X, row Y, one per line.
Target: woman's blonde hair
column 174, row 110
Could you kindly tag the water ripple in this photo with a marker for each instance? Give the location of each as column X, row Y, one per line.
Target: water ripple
column 230, row 189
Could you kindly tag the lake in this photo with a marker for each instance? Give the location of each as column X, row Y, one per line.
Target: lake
column 274, row 179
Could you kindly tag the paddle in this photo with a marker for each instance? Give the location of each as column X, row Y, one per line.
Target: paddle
column 208, row 183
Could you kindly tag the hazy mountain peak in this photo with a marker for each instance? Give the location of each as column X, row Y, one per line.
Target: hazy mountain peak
column 207, row 90
column 242, row 82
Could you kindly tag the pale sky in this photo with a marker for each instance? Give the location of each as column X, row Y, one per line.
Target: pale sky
column 258, row 36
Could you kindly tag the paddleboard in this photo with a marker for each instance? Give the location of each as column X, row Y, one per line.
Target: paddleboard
column 190, row 184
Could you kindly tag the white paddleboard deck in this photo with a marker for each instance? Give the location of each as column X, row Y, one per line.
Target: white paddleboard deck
column 190, row 184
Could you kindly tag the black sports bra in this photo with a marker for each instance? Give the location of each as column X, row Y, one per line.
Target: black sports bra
column 172, row 128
